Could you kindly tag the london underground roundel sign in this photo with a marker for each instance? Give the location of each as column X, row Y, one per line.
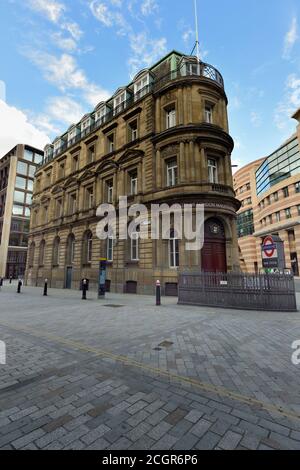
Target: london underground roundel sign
column 269, row 248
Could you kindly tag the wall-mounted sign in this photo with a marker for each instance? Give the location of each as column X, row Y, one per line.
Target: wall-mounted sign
column 273, row 252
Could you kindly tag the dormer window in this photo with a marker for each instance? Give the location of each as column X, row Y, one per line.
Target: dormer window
column 100, row 114
column 72, row 135
column 141, row 87
column 192, row 68
column 119, row 102
column 57, row 145
column 85, row 126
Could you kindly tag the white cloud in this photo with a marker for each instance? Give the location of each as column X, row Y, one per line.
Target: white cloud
column 16, row 129
column 146, row 51
column 256, row 119
column 290, row 103
column 65, row 43
column 187, row 36
column 64, row 73
column 52, row 9
column 290, row 38
column 74, row 30
column 64, row 109
column 2, row 91
column 110, row 18
column 149, row 7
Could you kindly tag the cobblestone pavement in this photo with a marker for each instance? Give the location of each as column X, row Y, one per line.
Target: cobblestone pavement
column 121, row 373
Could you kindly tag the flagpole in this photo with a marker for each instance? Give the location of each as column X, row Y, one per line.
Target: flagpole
column 197, row 30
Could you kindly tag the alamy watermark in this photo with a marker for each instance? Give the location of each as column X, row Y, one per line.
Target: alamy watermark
column 296, row 353
column 2, row 353
column 184, row 222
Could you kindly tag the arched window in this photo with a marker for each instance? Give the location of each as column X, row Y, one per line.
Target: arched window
column 134, row 244
column 70, row 249
column 87, row 247
column 42, row 253
column 56, row 245
column 173, row 249
column 31, row 255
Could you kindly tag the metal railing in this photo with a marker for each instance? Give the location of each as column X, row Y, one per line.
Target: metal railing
column 271, row 292
column 204, row 70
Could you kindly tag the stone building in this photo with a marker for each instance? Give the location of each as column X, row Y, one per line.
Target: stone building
column 163, row 138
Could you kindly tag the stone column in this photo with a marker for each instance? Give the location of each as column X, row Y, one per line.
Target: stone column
column 182, row 163
column 115, row 188
column 180, row 118
column 121, row 186
column 197, row 162
column 99, row 190
column 158, row 116
column 140, row 178
column 204, row 166
column 158, row 169
column 192, row 165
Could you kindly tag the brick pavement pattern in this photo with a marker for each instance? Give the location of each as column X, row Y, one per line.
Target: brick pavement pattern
column 81, row 375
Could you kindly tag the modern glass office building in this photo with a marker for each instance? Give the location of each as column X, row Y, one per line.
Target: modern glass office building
column 17, row 169
column 280, row 165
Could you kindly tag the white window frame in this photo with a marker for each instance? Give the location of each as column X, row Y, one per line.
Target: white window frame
column 119, row 100
column 72, row 134
column 191, row 66
column 173, row 252
column 57, row 145
column 172, row 173
column 101, row 113
column 110, row 191
column 111, row 143
column 171, row 118
column 140, row 85
column 110, row 249
column 208, row 112
column 134, row 246
column 90, row 198
column 212, row 170
column 133, row 185
column 89, row 247
column 73, row 203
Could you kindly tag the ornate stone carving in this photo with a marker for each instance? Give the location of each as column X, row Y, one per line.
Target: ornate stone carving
column 170, row 150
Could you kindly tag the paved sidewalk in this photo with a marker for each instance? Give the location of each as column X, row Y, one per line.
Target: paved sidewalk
column 121, row 373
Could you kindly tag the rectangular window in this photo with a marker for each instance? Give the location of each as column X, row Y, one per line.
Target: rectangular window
column 288, row 214
column 174, row 252
column 19, row 196
column 17, row 210
column 192, row 68
column 133, row 131
column 61, row 170
column 75, row 163
column 58, row 207
column 20, row 182
column 91, row 154
column 22, row 168
column 28, row 155
column 32, row 170
column 100, row 114
column 119, row 102
column 133, row 184
column 275, row 196
column 141, row 87
column 170, row 118
column 172, row 172
column 208, row 113
column 109, row 191
column 285, row 191
column 110, row 249
column 212, row 170
column 30, row 185
column 90, row 198
column 89, row 249
column 110, row 143
column 270, row 219
column 299, row 210
column 134, row 246
column 73, row 204
column 278, row 217
column 297, row 187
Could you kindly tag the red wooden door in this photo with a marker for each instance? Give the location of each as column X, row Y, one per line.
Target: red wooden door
column 214, row 249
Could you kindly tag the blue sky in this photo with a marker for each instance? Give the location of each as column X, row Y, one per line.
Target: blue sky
column 60, row 57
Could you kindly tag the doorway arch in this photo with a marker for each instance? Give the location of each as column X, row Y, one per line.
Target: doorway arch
column 214, row 248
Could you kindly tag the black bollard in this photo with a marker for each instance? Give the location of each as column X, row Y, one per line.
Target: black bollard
column 19, row 286
column 46, row 287
column 10, row 279
column 84, row 287
column 158, row 293
column 1, row 281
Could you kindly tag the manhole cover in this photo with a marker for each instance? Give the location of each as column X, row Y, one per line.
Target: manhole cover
column 156, row 349
column 113, row 306
column 166, row 344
